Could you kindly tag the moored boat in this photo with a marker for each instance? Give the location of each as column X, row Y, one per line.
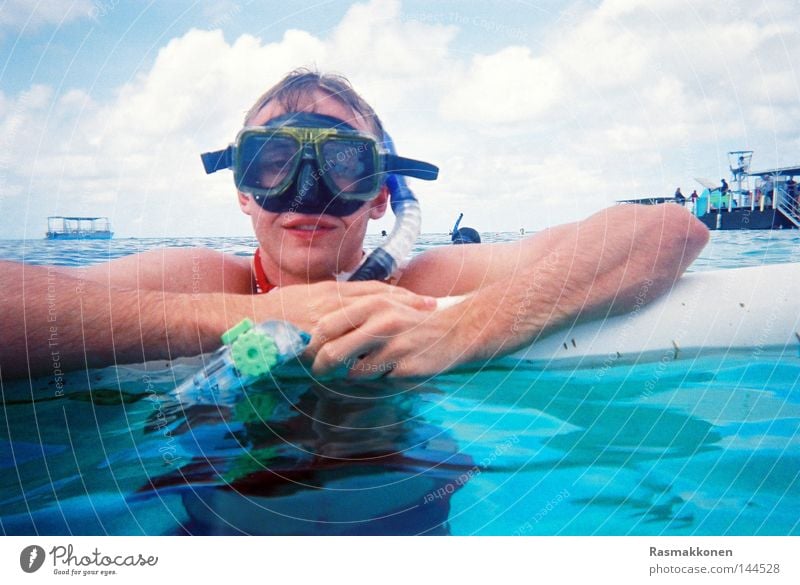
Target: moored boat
column 78, row 228
column 772, row 203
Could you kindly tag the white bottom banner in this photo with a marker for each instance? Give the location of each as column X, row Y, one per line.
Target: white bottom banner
column 357, row 560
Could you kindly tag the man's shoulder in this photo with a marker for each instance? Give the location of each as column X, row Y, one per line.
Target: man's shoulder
column 207, row 270
column 196, row 256
column 190, row 270
column 449, row 270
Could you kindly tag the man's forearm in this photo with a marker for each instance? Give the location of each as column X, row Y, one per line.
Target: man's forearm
column 602, row 266
column 509, row 314
column 50, row 320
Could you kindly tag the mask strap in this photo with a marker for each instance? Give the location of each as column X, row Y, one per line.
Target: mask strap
column 217, row 160
column 411, row 168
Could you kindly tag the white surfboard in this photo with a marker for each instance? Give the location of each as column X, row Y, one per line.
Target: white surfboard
column 754, row 309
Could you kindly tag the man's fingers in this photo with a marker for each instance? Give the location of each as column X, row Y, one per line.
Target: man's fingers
column 349, row 320
column 331, row 327
column 375, row 364
column 344, row 352
column 307, row 305
column 358, row 289
column 338, row 322
column 364, row 326
column 357, row 311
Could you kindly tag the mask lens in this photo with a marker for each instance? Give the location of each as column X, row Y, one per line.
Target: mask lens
column 350, row 164
column 268, row 162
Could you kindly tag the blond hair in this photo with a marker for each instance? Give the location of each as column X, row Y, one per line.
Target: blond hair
column 302, row 82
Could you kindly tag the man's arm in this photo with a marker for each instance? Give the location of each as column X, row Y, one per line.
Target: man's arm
column 635, row 234
column 520, row 292
column 144, row 306
column 51, row 320
column 600, row 267
column 181, row 270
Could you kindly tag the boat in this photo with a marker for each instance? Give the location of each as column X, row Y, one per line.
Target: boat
column 61, row 227
column 772, row 203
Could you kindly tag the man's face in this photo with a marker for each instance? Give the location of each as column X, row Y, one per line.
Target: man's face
column 307, row 248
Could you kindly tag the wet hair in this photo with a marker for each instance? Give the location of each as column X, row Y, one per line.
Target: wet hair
column 302, row 82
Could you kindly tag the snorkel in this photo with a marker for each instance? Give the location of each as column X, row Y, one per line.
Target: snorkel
column 385, row 260
column 454, row 231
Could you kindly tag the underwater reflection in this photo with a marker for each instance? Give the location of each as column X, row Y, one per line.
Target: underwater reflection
column 299, row 458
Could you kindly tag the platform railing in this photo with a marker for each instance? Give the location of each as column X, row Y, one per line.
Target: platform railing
column 788, row 206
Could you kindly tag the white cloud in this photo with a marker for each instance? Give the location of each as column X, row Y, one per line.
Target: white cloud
column 373, row 39
column 506, row 87
column 626, row 98
column 600, row 51
column 138, row 155
column 26, row 14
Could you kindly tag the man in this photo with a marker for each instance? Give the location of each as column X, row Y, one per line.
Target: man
column 464, row 235
column 791, row 189
column 172, row 302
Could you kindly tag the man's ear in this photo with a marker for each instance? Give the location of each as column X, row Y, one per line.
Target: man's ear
column 244, row 203
column 378, row 205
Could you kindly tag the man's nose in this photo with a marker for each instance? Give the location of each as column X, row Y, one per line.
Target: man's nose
column 308, row 183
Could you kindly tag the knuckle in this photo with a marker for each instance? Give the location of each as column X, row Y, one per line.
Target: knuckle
column 419, row 302
column 382, row 303
column 322, row 324
column 326, row 355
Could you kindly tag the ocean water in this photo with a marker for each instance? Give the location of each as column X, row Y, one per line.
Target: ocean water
column 705, row 447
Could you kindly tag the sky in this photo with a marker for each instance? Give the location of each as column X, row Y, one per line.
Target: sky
column 537, row 112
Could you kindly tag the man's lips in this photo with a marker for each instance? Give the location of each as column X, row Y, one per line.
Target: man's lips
column 309, row 225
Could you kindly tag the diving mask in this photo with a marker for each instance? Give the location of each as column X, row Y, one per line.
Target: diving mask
column 311, row 163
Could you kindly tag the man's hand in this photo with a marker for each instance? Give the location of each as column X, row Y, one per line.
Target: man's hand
column 383, row 334
column 349, row 320
column 306, row 305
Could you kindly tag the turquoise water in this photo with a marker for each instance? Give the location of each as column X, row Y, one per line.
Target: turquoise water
column 708, row 446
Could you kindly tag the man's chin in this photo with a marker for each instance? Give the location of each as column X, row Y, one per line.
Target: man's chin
column 315, row 264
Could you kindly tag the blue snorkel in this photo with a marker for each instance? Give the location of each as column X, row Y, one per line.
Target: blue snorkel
column 385, row 260
column 455, row 227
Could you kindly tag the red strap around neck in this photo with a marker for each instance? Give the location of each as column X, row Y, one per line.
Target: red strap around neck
column 262, row 283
